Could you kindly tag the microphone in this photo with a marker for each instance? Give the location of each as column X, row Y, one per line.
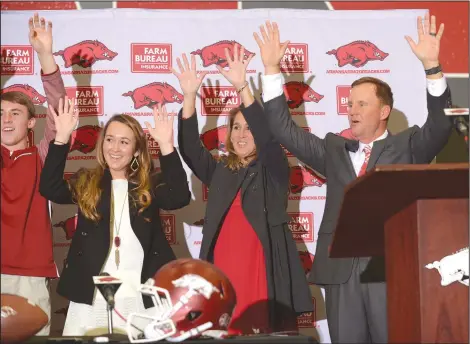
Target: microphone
column 108, row 286
column 460, row 120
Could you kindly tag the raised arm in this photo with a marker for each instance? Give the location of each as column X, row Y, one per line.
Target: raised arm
column 196, row 156
column 52, row 184
column 307, row 147
column 270, row 152
column 40, row 38
column 171, row 191
column 428, row 141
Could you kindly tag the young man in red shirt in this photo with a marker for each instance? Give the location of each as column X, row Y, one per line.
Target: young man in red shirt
column 27, row 261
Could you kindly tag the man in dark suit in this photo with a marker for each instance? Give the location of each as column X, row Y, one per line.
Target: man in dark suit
column 355, row 289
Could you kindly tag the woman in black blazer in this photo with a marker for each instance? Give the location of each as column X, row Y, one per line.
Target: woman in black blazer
column 119, row 228
column 246, row 230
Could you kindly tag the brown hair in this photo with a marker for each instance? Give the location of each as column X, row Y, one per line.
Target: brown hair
column 232, row 160
column 86, row 186
column 382, row 89
column 20, row 98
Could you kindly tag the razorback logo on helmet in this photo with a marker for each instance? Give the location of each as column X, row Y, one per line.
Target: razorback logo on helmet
column 84, row 140
column 196, row 283
column 307, row 261
column 301, row 226
column 214, row 139
column 298, row 93
column 168, row 224
column 302, row 177
column 88, row 99
column 357, row 53
column 30, row 91
column 214, row 54
column 85, row 53
column 308, row 319
column 151, row 58
column 69, row 226
column 152, row 94
column 342, row 98
column 295, row 60
column 218, row 100
column 31, row 138
column 152, row 145
column 289, row 154
column 17, row 60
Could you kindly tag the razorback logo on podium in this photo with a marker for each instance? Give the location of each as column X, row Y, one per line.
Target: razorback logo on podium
column 214, row 139
column 295, row 59
column 342, row 99
column 214, row 54
column 308, row 319
column 301, row 226
column 298, row 93
column 85, row 53
column 168, row 225
column 302, row 177
column 17, row 60
column 69, row 226
column 35, row 96
column 219, row 100
column 357, row 53
column 151, row 58
column 154, row 93
column 88, row 99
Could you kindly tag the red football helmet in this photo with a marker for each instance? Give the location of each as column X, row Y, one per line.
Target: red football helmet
column 192, row 297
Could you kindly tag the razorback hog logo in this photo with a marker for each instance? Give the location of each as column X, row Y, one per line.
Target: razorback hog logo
column 154, row 93
column 307, row 260
column 357, row 53
column 215, row 53
column 303, row 176
column 298, row 92
column 215, row 138
column 85, row 53
column 36, row 98
column 84, row 138
column 69, row 226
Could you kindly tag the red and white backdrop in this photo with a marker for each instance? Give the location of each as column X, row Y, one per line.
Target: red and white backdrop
column 132, row 54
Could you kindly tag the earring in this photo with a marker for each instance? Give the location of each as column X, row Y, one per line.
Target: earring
column 134, row 164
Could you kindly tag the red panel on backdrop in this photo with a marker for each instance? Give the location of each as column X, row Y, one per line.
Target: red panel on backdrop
column 179, row 5
column 37, row 5
column 454, row 44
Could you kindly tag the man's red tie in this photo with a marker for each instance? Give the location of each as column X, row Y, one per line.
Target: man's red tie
column 367, row 151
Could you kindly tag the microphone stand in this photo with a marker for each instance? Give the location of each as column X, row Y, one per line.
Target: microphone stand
column 110, row 308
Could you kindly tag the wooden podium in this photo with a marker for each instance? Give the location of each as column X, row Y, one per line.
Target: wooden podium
column 413, row 215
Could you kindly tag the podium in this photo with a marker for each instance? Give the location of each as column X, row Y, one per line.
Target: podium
column 413, row 215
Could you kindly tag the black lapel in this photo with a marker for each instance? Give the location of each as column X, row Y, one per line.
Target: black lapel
column 104, row 206
column 133, row 208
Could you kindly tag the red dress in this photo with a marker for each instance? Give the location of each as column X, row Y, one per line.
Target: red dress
column 239, row 254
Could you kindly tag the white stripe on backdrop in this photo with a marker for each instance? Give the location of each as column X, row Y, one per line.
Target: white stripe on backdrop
column 137, row 47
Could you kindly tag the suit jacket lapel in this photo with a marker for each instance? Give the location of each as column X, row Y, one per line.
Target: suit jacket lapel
column 104, row 206
column 377, row 150
column 343, row 154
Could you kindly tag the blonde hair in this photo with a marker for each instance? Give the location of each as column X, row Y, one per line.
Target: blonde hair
column 85, row 187
column 232, row 160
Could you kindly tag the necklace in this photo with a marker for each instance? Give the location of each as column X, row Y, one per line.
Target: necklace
column 117, row 238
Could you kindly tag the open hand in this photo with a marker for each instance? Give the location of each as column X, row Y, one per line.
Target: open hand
column 427, row 49
column 236, row 74
column 40, row 35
